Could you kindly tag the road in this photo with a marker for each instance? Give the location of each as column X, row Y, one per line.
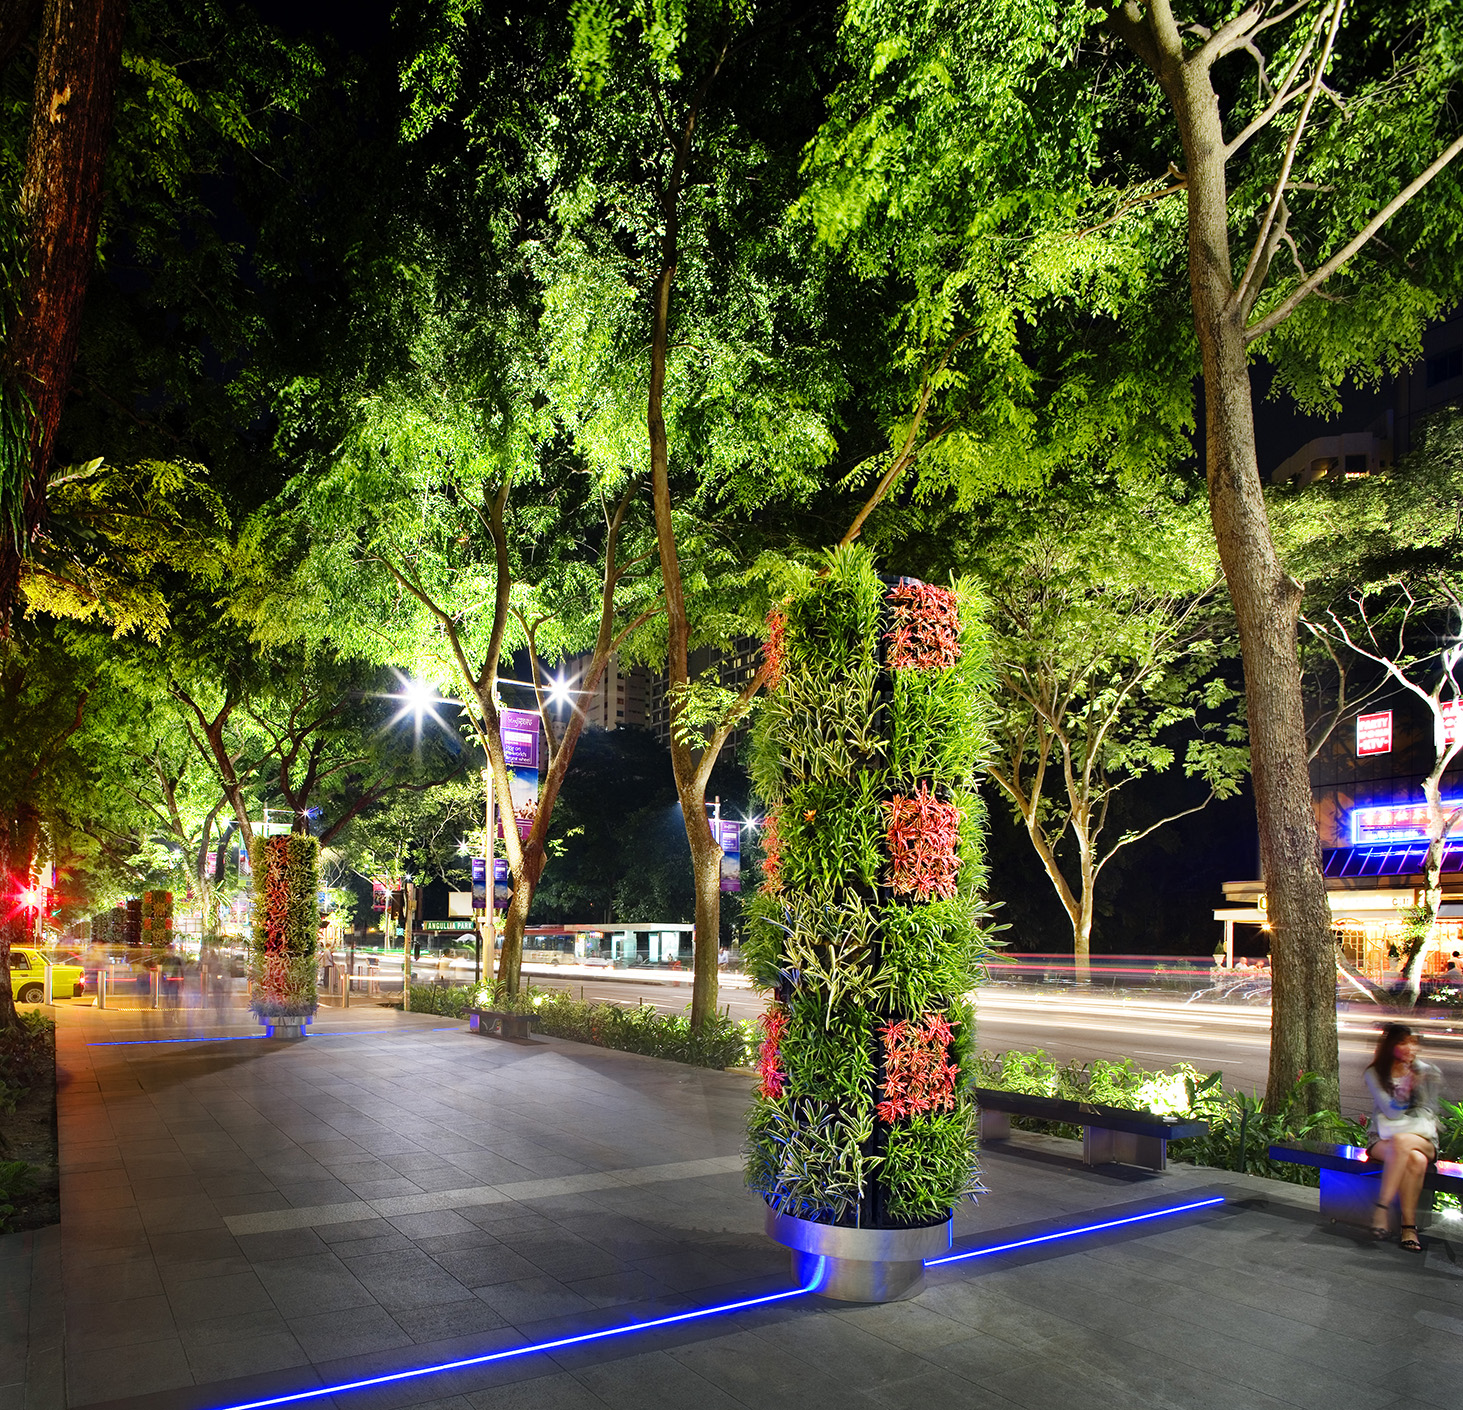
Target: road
column 1153, row 1032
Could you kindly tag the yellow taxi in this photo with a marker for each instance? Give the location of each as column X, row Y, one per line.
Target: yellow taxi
column 27, row 976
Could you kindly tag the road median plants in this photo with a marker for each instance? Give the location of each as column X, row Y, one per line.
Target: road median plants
column 720, row 1042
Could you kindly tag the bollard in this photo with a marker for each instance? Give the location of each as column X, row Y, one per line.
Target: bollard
column 405, row 984
column 155, row 986
column 101, row 986
column 48, row 983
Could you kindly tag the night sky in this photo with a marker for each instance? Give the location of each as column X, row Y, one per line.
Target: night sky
column 354, row 24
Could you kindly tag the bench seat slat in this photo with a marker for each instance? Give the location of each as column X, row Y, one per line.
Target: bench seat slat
column 1092, row 1114
column 1325, row 1156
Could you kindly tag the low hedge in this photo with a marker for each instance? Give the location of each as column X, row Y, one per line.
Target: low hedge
column 720, row 1042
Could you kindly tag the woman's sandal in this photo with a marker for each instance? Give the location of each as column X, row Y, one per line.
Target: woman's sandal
column 1380, row 1231
column 1413, row 1244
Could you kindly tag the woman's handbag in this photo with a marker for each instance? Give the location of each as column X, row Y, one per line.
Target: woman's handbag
column 1410, row 1123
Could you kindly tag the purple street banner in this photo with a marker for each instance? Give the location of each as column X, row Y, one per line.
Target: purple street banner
column 502, row 884
column 520, row 753
column 730, row 840
column 523, row 791
column 479, row 884
column 520, row 739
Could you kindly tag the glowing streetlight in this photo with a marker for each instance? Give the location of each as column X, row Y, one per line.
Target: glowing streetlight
column 419, row 701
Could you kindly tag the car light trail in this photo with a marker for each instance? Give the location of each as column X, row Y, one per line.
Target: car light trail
column 1072, row 1233
column 555, row 1345
column 253, row 1037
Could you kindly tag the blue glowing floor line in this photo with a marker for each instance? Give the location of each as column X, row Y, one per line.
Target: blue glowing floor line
column 536, row 1347
column 250, row 1037
column 1072, row 1233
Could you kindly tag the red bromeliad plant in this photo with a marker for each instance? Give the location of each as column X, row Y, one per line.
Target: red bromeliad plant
column 773, row 649
column 923, row 834
column 771, row 853
column 771, row 1079
column 926, row 631
column 918, row 1074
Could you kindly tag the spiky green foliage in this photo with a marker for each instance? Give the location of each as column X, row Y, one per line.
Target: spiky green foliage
column 839, row 737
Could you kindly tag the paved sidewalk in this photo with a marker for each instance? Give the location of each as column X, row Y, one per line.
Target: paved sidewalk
column 243, row 1219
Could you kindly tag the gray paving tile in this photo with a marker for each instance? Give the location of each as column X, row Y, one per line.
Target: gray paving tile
column 356, row 1331
column 532, row 1300
column 554, row 1391
column 315, row 1283
column 441, row 1321
column 484, row 1266
column 96, row 1326
column 936, row 1388
column 651, row 1381
column 399, row 1280
column 134, row 1368
column 433, row 1223
column 229, row 1295
column 249, row 1356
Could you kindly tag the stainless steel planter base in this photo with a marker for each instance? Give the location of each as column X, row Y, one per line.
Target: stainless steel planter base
column 858, row 1265
column 287, row 1028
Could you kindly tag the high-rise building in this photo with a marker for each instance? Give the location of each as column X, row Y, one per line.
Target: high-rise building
column 733, row 666
column 1403, row 401
column 622, row 698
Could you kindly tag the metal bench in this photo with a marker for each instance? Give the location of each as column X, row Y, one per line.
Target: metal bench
column 1350, row 1181
column 1109, row 1133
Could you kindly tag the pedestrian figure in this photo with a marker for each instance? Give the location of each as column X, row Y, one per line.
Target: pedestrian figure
column 1403, row 1133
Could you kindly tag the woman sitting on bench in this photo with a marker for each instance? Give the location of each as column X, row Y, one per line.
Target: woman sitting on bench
column 1404, row 1126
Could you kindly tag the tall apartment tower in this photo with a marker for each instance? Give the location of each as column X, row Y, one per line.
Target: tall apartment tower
column 622, row 698
column 733, row 665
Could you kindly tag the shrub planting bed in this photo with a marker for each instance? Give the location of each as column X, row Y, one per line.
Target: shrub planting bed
column 30, row 1190
column 1240, row 1134
column 721, row 1042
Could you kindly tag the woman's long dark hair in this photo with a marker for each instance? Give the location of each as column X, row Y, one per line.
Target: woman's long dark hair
column 1393, row 1035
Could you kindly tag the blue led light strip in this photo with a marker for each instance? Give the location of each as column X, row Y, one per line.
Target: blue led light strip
column 537, row 1346
column 1072, row 1233
column 250, row 1037
column 673, row 1319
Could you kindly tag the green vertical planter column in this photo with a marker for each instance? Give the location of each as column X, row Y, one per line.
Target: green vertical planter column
column 865, row 928
column 157, row 919
column 283, row 961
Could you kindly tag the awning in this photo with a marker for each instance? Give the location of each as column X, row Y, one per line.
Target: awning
column 1396, row 859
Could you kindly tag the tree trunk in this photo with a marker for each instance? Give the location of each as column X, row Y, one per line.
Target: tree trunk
column 18, row 832
column 690, row 778
column 1439, row 825
column 706, row 866
column 1082, row 933
column 515, row 921
column 1267, row 603
column 60, row 204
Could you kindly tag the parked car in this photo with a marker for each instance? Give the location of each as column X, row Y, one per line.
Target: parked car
column 28, row 977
